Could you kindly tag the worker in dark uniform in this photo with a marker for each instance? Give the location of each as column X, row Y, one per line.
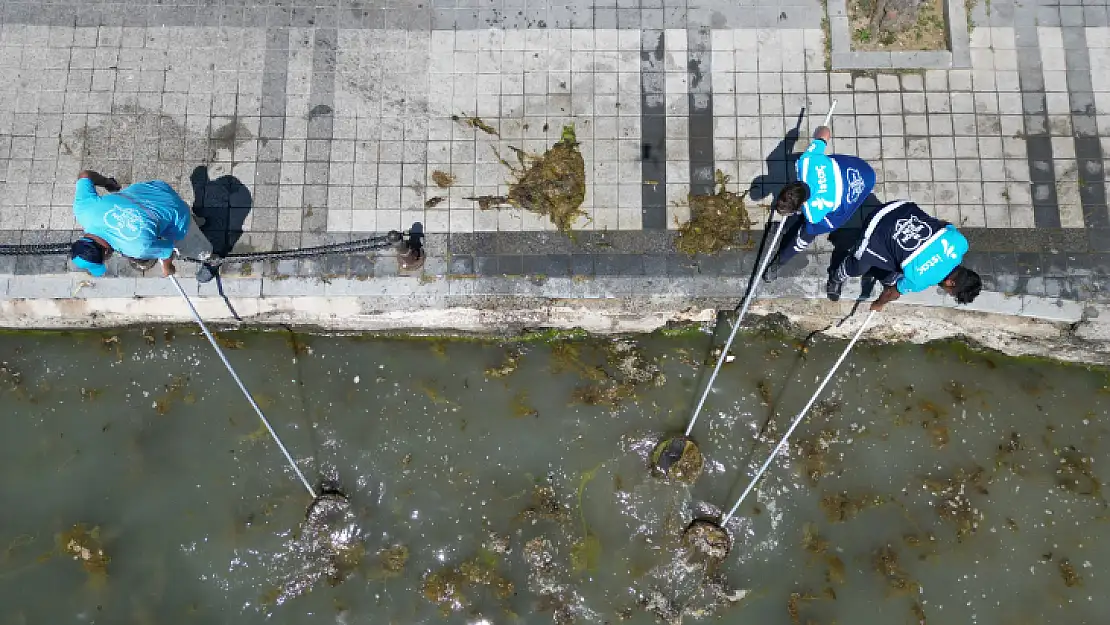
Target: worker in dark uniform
column 910, row 251
column 830, row 188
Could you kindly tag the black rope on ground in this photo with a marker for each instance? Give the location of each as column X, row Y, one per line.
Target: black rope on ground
column 362, row 245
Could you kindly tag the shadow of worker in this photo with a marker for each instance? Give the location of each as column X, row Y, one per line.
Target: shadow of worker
column 779, row 165
column 224, row 204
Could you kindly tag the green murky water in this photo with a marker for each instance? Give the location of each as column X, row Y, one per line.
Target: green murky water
column 508, row 483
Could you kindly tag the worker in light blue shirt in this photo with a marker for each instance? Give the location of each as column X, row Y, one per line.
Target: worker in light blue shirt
column 146, row 223
column 911, row 251
column 829, row 190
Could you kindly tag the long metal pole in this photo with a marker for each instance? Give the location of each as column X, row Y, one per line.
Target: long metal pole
column 220, row 353
column 756, row 281
column 797, row 420
column 744, row 307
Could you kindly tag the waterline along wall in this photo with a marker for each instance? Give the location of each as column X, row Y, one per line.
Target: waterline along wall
column 1022, row 325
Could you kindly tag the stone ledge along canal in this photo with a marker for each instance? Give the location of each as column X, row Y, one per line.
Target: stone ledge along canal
column 508, row 482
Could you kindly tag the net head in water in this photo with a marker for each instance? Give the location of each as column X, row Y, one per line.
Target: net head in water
column 707, row 538
column 330, row 522
column 330, row 535
column 677, row 458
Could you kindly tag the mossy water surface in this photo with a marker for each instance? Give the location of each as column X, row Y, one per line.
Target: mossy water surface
column 552, row 516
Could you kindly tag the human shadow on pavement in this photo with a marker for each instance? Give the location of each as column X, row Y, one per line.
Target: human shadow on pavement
column 780, row 164
column 224, row 204
column 780, row 171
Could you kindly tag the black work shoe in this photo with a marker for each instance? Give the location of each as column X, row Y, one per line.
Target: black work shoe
column 833, row 289
column 141, row 265
column 772, row 270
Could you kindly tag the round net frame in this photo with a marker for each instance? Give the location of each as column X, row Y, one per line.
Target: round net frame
column 707, row 538
column 329, row 521
column 677, row 458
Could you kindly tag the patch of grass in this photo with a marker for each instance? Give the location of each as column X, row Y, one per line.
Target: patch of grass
column 862, row 35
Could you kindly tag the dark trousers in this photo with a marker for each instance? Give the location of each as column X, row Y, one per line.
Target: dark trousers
column 796, row 239
column 853, row 267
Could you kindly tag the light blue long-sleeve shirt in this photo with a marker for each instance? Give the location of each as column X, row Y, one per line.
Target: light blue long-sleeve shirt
column 142, row 221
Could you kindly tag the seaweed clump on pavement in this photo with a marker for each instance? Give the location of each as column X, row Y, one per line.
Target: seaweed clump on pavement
column 552, row 184
column 443, row 179
column 716, row 221
column 476, row 123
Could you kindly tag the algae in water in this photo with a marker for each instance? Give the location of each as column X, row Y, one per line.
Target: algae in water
column 630, row 370
column 85, row 545
column 508, row 367
column 552, row 184
column 886, row 564
column 1075, row 473
column 392, row 561
column 585, row 553
column 521, row 407
column 445, row 587
column 953, row 503
column 839, row 508
column 545, row 505
column 716, row 221
column 1068, row 573
column 175, row 391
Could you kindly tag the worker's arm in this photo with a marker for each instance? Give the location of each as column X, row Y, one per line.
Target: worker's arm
column 167, row 267
column 98, row 180
column 889, row 294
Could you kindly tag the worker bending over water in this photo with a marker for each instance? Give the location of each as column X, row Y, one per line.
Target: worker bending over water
column 146, row 223
column 910, row 251
column 830, row 188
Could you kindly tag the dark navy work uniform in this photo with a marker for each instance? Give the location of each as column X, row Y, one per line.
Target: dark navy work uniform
column 838, row 185
column 911, row 249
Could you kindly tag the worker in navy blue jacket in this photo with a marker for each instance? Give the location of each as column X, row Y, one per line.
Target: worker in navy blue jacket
column 830, row 188
column 911, row 251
